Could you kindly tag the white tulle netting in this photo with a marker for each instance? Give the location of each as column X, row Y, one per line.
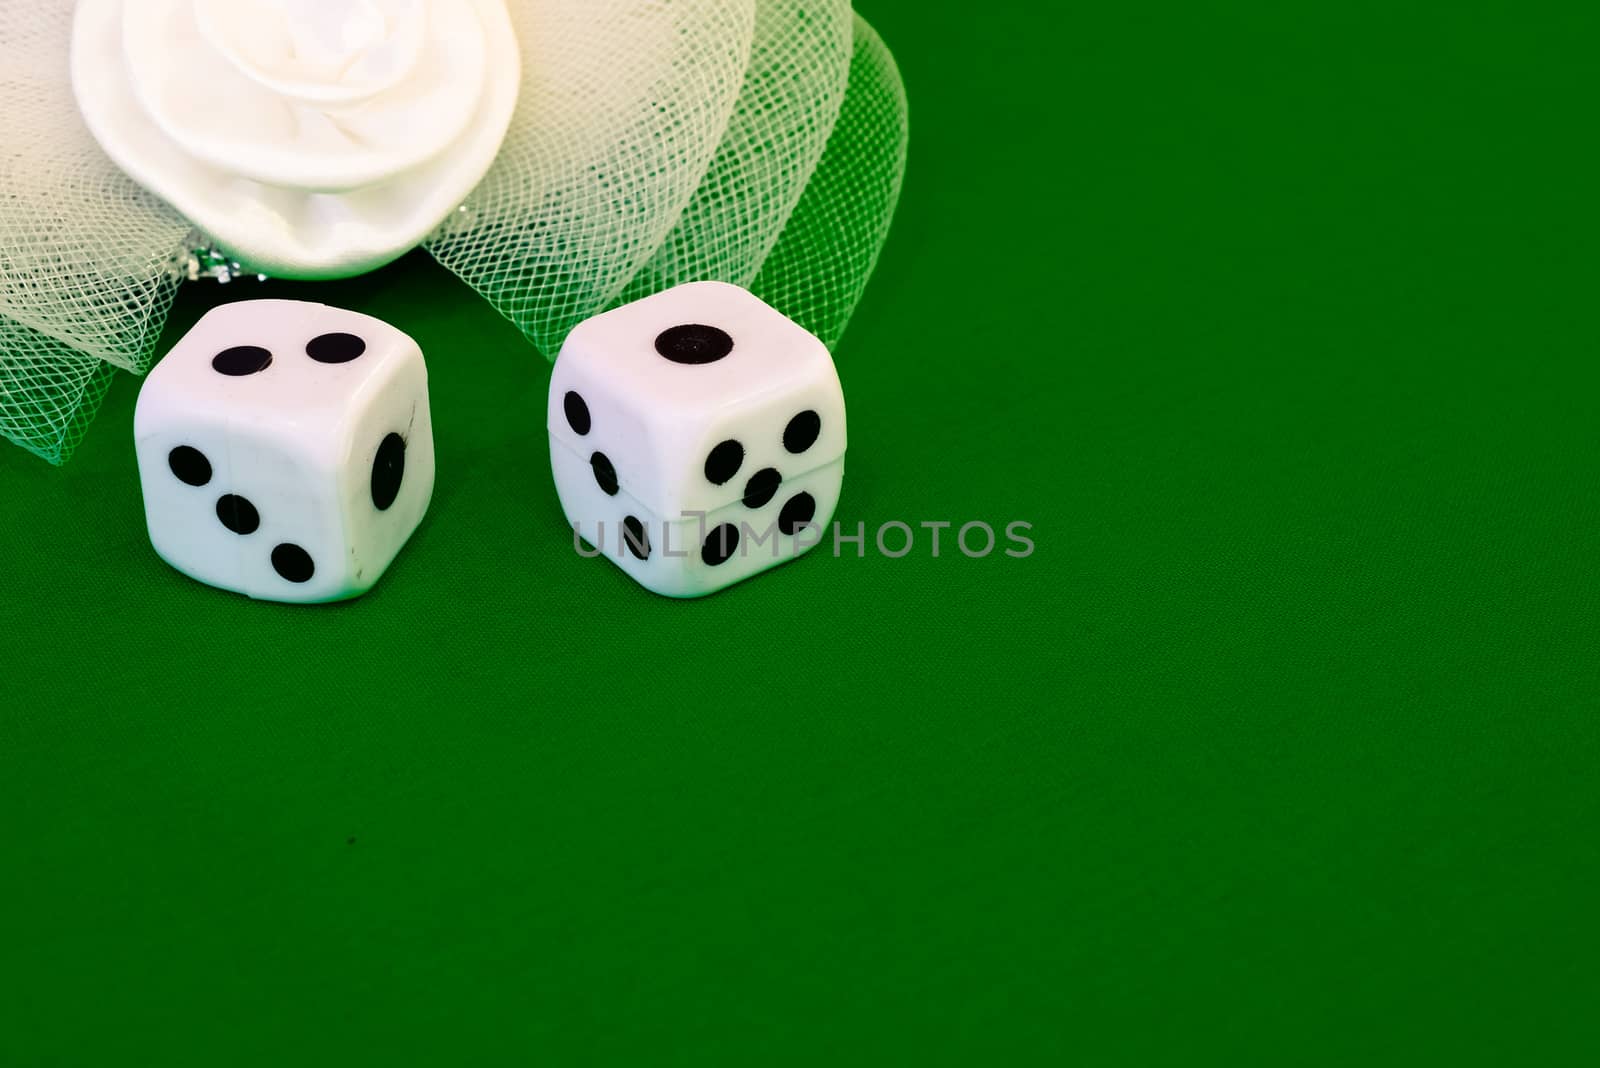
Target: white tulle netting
column 819, row 267
column 88, row 261
column 760, row 142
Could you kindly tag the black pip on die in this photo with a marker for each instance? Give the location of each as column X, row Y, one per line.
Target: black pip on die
column 697, row 437
column 285, row 450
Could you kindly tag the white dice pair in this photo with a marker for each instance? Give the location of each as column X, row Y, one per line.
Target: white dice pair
column 285, row 450
column 697, row 437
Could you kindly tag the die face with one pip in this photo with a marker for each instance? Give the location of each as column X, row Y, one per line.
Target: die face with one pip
column 285, row 450
column 697, row 437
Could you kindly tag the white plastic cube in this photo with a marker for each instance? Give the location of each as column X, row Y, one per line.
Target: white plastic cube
column 285, row 450
column 697, row 437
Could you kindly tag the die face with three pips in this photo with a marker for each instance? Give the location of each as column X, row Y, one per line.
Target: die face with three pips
column 285, row 450
column 697, row 437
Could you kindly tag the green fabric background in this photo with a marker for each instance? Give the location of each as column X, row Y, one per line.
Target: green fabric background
column 1279, row 327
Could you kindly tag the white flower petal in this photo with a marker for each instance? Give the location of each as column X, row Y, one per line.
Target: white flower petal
column 339, row 51
column 299, row 158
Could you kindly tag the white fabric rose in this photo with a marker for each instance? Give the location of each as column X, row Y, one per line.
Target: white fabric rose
column 308, row 138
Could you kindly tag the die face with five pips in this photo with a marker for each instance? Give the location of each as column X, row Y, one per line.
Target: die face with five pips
column 697, row 437
column 285, row 450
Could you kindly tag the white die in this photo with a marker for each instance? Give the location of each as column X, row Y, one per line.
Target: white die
column 697, row 437
column 285, row 450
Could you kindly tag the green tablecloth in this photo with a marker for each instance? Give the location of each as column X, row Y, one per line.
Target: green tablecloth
column 1278, row 327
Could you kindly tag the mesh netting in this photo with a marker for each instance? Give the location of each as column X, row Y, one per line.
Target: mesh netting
column 622, row 107
column 754, row 141
column 793, row 88
column 817, row 271
column 709, row 152
column 87, row 259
